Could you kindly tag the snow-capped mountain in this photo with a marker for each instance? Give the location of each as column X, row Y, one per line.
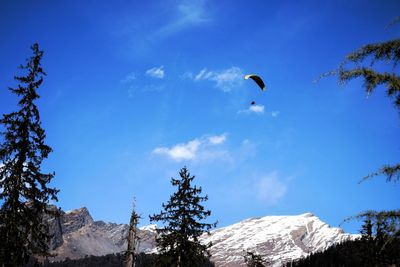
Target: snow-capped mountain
column 277, row 238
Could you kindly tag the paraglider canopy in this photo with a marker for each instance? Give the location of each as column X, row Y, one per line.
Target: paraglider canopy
column 257, row 79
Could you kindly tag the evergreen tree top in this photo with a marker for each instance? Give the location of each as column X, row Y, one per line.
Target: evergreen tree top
column 25, row 193
column 184, row 206
column 182, row 216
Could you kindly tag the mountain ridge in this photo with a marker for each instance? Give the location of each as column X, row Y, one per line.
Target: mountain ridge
column 278, row 238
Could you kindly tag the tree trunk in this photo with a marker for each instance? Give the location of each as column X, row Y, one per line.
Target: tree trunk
column 130, row 253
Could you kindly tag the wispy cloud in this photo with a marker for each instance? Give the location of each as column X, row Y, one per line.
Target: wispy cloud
column 193, row 11
column 257, row 109
column 133, row 82
column 187, row 75
column 274, row 113
column 128, row 78
column 225, row 80
column 180, row 152
column 247, row 149
column 155, row 72
column 217, row 139
column 188, row 13
column 202, row 148
column 270, row 188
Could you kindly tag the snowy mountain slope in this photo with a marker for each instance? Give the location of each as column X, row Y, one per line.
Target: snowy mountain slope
column 277, row 238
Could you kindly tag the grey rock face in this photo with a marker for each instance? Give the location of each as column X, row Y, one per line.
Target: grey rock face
column 76, row 234
column 74, row 220
column 55, row 228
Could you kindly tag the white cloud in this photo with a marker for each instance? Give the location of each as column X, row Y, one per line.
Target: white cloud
column 129, row 78
column 203, row 75
column 217, row 139
column 188, row 13
column 274, row 113
column 225, row 80
column 180, row 152
column 156, row 72
column 270, row 189
column 197, row 149
column 257, row 109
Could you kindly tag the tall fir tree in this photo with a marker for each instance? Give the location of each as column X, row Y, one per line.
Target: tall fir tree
column 24, row 191
column 178, row 242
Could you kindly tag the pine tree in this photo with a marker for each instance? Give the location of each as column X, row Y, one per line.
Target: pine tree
column 178, row 242
column 24, row 193
column 361, row 64
column 253, row 259
column 380, row 237
column 133, row 239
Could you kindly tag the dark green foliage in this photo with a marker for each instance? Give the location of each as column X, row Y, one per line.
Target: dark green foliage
column 358, row 253
column 24, row 193
column 386, row 51
column 110, row 260
column 361, row 64
column 182, row 215
column 254, row 260
column 382, row 228
column 379, row 245
column 389, row 52
column 392, row 172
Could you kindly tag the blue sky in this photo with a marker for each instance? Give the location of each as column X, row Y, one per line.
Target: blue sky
column 138, row 89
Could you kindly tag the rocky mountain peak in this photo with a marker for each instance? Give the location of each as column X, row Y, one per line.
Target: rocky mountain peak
column 75, row 219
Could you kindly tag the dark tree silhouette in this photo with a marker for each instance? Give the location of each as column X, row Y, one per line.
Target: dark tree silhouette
column 362, row 252
column 178, row 241
column 133, row 239
column 110, row 260
column 359, row 64
column 253, row 259
column 24, row 188
column 362, row 63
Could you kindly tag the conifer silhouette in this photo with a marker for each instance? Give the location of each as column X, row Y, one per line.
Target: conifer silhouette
column 24, row 193
column 178, row 242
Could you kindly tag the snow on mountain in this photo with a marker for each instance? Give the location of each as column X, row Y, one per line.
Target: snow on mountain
column 277, row 238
